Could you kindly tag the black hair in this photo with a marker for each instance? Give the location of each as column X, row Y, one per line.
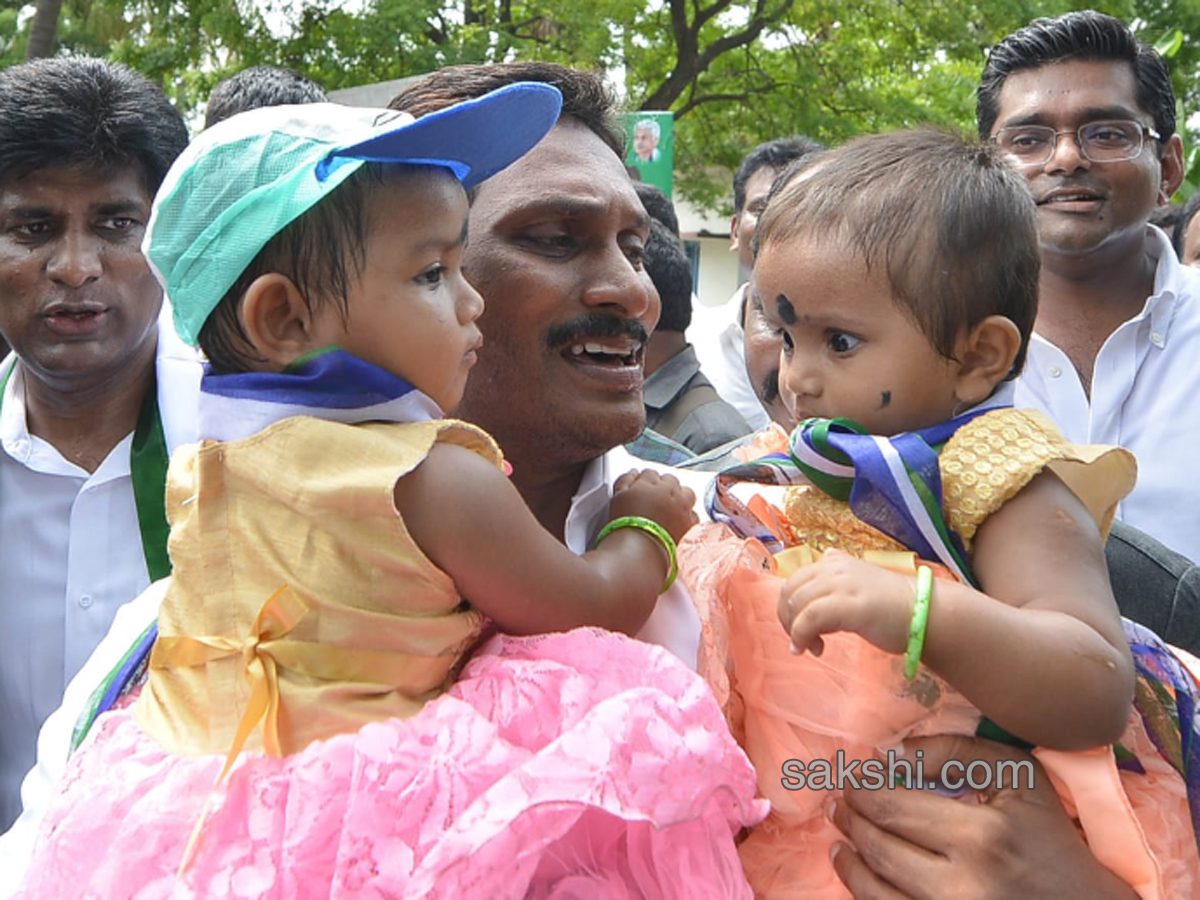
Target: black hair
column 260, row 86
column 586, row 97
column 81, row 112
column 323, row 252
column 777, row 155
column 669, row 268
column 658, row 205
column 1087, row 36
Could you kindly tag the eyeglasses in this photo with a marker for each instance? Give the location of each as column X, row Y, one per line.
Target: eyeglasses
column 1108, row 141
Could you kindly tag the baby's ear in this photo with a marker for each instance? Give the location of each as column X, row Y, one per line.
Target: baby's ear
column 986, row 356
column 276, row 319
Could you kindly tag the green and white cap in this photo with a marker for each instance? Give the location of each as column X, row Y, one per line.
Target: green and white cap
column 239, row 183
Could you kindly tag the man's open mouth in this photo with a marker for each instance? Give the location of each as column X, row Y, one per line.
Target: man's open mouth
column 607, row 352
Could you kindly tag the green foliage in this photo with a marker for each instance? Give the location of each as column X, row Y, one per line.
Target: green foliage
column 735, row 72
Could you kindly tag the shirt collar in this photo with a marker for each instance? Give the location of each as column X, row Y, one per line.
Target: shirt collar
column 41, row 456
column 1170, row 280
column 589, row 506
column 14, row 431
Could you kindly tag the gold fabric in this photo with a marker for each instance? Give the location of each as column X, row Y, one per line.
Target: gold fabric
column 983, row 465
column 991, row 458
column 300, row 607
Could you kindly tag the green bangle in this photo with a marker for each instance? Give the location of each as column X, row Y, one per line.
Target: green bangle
column 652, row 528
column 920, row 618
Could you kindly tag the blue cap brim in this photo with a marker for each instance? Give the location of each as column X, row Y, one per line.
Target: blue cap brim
column 475, row 139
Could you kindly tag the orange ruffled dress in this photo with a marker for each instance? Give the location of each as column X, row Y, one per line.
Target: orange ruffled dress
column 854, row 698
column 306, row 640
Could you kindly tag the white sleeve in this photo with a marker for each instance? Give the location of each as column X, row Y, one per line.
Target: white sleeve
column 54, row 738
column 674, row 624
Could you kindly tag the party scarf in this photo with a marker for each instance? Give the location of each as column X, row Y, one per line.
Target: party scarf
column 893, row 484
column 1167, row 697
column 328, row 384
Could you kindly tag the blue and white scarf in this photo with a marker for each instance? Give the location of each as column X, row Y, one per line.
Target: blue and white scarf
column 893, row 484
column 328, row 384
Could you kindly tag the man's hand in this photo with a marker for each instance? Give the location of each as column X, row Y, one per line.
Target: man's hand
column 917, row 845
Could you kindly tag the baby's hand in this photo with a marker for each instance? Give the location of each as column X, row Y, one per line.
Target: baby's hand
column 654, row 496
column 843, row 593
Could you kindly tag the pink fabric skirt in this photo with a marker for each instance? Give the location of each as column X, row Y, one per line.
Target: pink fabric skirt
column 583, row 764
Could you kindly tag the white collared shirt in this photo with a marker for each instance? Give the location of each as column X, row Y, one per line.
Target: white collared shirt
column 674, row 624
column 717, row 336
column 70, row 554
column 1145, row 397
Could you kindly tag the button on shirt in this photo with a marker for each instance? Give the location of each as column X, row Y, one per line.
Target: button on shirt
column 1145, row 397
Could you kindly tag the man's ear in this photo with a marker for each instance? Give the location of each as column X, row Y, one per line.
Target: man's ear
column 985, row 357
column 277, row 320
column 1172, row 169
column 733, row 232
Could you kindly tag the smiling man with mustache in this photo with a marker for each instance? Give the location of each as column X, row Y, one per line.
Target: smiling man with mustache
column 1086, row 113
column 555, row 246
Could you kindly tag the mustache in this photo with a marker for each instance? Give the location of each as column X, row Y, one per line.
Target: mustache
column 597, row 325
column 768, row 391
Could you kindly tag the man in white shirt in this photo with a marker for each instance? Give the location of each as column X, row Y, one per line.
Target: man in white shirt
column 1087, row 114
column 717, row 332
column 93, row 396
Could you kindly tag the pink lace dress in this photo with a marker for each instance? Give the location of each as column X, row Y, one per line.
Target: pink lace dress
column 369, row 751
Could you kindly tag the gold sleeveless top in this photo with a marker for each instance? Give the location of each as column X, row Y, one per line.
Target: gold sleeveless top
column 300, row 607
column 983, row 466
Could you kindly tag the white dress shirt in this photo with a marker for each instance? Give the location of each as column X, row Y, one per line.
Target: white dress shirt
column 70, row 554
column 674, row 624
column 1145, row 397
column 716, row 334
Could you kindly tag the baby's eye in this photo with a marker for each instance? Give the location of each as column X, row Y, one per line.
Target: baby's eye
column 840, row 342
column 432, row 276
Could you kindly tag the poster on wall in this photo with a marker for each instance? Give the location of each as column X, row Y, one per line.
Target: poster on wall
column 652, row 147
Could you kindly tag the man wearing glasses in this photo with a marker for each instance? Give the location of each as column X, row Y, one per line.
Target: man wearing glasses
column 1086, row 113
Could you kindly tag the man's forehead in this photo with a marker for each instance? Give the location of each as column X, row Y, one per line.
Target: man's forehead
column 1089, row 88
column 107, row 186
column 571, row 172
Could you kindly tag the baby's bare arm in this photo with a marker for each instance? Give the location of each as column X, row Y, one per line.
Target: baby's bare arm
column 1048, row 662
column 471, row 522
